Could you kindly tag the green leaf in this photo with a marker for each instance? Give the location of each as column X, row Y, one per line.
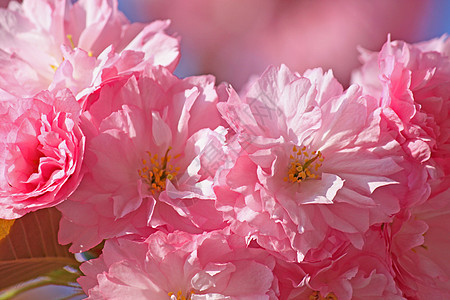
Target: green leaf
column 31, row 248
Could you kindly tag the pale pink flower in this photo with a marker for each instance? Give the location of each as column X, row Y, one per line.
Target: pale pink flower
column 412, row 82
column 419, row 243
column 352, row 273
column 317, row 166
column 56, row 44
column 41, row 152
column 150, row 156
column 179, row 266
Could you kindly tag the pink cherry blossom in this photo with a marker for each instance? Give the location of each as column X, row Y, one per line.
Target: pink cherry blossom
column 41, row 152
column 317, row 166
column 181, row 266
column 412, row 82
column 56, row 44
column 419, row 244
column 150, row 157
column 352, row 273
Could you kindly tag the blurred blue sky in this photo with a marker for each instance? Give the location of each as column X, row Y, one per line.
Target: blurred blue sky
column 438, row 19
column 435, row 23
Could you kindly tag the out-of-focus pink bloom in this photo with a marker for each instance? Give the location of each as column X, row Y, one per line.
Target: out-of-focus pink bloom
column 54, row 44
column 419, row 246
column 181, row 266
column 317, row 166
column 351, row 273
column 41, row 152
column 151, row 153
column 235, row 39
column 4, row 3
column 413, row 85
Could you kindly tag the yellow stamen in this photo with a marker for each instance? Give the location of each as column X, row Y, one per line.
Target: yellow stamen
column 315, row 295
column 179, row 295
column 69, row 37
column 157, row 172
column 331, row 296
column 302, row 163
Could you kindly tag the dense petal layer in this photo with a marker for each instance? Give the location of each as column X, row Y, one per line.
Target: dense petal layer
column 208, row 266
column 317, row 165
column 150, row 159
column 412, row 83
column 42, row 149
column 56, row 44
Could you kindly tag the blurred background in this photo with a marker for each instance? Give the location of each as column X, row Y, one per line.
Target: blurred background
column 234, row 39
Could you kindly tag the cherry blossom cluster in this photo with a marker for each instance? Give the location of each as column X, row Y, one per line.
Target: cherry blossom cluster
column 292, row 188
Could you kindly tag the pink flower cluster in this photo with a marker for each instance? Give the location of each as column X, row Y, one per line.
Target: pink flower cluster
column 293, row 188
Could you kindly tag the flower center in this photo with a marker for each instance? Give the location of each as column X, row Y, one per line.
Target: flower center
column 179, row 296
column 303, row 164
column 315, row 295
column 157, row 170
column 72, row 44
column 423, row 246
